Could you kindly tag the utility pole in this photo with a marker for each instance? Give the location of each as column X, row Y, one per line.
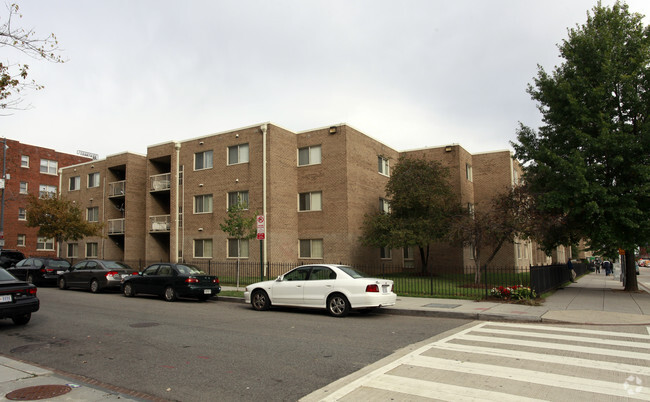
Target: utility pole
column 4, row 184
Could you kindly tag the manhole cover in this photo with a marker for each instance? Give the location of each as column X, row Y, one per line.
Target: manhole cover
column 144, row 324
column 38, row 392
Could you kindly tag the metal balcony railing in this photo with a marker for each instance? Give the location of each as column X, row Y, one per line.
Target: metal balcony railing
column 159, row 223
column 117, row 188
column 160, row 182
column 116, row 226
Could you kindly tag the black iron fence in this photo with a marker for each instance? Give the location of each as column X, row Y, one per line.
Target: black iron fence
column 453, row 283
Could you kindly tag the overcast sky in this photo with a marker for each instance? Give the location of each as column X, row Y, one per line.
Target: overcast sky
column 410, row 74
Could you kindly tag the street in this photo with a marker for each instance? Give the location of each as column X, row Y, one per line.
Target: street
column 193, row 351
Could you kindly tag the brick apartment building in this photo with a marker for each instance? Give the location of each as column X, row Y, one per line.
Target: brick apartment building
column 313, row 188
column 29, row 169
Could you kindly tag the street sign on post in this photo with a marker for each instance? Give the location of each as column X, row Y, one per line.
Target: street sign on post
column 261, row 227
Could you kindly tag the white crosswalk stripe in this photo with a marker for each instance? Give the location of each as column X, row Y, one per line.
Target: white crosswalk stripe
column 510, row 361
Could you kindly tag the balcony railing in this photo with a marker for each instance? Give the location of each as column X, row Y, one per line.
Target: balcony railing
column 116, row 226
column 117, row 188
column 160, row 182
column 159, row 223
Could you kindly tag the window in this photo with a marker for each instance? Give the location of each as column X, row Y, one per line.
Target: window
column 92, row 214
column 20, row 241
column 93, row 180
column 91, row 250
column 312, row 248
column 468, row 171
column 22, row 214
column 238, row 154
column 310, row 201
column 203, row 160
column 238, row 248
column 23, row 187
column 73, row 250
column 203, row 248
column 45, row 191
column 309, row 156
column 382, row 165
column 384, row 253
column 409, row 261
column 321, row 274
column 24, row 161
column 384, row 206
column 49, row 167
column 43, row 243
column 238, row 197
column 75, row 183
column 203, row 204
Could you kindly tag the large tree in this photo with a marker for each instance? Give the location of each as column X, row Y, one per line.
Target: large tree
column 422, row 203
column 589, row 163
column 13, row 76
column 59, row 219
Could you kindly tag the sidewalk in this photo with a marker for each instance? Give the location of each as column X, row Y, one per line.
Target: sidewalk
column 594, row 299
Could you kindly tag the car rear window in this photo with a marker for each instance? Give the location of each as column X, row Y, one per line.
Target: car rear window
column 6, row 276
column 59, row 264
column 354, row 273
column 116, row 265
column 189, row 269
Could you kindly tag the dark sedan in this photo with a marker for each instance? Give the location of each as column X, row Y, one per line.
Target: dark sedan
column 40, row 271
column 95, row 275
column 17, row 299
column 172, row 281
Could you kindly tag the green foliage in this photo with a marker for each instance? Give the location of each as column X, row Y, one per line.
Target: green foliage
column 237, row 225
column 59, row 218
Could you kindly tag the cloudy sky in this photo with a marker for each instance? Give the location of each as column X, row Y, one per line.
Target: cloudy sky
column 409, row 73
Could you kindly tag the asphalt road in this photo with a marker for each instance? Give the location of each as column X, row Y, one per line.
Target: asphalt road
column 215, row 350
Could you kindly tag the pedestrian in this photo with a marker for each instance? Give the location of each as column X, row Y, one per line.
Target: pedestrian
column 572, row 273
column 597, row 263
column 607, row 266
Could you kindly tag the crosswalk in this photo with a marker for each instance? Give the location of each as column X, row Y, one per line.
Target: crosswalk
column 511, row 361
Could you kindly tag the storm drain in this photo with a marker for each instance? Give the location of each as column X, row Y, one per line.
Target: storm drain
column 442, row 305
column 38, row 392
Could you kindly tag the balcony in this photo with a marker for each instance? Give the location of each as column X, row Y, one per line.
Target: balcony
column 116, row 188
column 159, row 223
column 116, row 226
column 160, row 182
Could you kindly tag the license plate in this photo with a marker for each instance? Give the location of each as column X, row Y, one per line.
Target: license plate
column 5, row 299
column 384, row 289
column 60, row 272
column 207, row 291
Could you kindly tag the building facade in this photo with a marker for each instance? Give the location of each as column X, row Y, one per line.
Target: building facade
column 28, row 169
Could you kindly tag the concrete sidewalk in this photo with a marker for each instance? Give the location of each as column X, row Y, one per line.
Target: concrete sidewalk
column 594, row 299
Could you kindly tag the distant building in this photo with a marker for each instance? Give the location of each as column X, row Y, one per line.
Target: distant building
column 29, row 169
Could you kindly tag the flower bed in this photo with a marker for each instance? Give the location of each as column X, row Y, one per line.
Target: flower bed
column 517, row 292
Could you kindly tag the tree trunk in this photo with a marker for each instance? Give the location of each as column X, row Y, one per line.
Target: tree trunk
column 631, row 284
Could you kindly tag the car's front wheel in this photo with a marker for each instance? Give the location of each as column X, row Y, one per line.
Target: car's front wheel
column 128, row 290
column 62, row 284
column 21, row 319
column 338, row 305
column 260, row 300
column 170, row 294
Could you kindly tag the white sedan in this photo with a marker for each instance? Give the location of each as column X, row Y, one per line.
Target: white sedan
column 337, row 288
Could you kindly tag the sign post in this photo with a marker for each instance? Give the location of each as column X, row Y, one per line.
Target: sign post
column 261, row 235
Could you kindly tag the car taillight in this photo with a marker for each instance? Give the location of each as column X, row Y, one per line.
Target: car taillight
column 31, row 291
column 112, row 273
column 191, row 280
column 215, row 280
column 372, row 288
column 50, row 270
column 134, row 273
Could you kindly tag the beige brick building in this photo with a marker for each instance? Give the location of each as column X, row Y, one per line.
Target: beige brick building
column 313, row 188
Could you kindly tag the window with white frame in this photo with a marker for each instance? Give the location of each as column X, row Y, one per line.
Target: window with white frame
column 238, row 197
column 24, row 161
column 75, row 183
column 203, row 160
column 44, row 244
column 92, row 214
column 202, row 248
column 383, row 166
column 310, row 201
column 384, row 206
column 309, row 155
column 49, row 166
column 203, row 204
column 385, row 253
column 46, row 191
column 23, row 187
column 93, row 180
column 311, row 248
column 238, row 248
column 73, row 250
column 22, row 214
column 91, row 250
column 20, row 240
column 238, row 154
column 408, row 255
column 468, row 172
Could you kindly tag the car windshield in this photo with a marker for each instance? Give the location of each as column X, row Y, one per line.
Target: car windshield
column 116, row 265
column 59, row 264
column 6, row 276
column 189, row 270
column 354, row 273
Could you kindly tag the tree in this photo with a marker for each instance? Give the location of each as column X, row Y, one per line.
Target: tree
column 13, row 77
column 589, row 162
column 239, row 227
column 421, row 204
column 59, row 219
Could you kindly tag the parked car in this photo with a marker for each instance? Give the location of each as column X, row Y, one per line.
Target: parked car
column 17, row 298
column 40, row 271
column 337, row 288
column 9, row 258
column 172, row 281
column 95, row 275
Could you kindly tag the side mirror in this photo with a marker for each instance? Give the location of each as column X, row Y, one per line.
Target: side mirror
column 279, row 278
